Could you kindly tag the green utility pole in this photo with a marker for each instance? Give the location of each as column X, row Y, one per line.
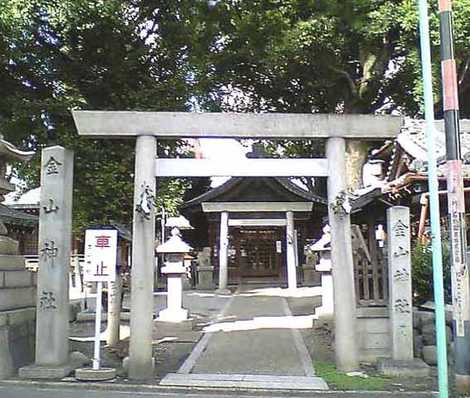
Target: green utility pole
column 433, row 201
column 456, row 201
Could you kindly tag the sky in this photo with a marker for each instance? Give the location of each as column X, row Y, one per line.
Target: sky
column 223, row 148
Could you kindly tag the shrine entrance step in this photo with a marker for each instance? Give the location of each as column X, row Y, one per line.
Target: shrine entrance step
column 264, row 382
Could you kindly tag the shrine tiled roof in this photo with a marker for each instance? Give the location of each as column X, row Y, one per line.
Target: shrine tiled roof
column 294, row 190
column 410, row 145
column 11, row 216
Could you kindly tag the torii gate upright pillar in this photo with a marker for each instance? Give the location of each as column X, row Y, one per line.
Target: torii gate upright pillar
column 141, row 361
column 342, row 261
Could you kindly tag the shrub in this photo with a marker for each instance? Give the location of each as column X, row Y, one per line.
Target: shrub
column 422, row 278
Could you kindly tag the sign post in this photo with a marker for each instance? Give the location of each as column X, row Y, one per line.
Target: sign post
column 433, row 183
column 100, row 266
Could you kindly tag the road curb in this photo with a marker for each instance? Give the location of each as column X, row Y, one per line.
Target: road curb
column 142, row 388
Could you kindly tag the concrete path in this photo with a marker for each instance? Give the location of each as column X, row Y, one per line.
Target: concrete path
column 255, row 344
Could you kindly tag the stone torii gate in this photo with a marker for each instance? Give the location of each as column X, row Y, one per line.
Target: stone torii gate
column 147, row 127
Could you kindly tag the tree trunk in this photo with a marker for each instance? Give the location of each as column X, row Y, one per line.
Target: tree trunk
column 356, row 156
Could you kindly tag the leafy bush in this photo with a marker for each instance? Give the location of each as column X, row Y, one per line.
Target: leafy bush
column 422, row 278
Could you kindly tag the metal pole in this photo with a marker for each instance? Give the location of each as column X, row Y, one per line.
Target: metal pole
column 96, row 355
column 455, row 200
column 434, row 201
column 163, row 224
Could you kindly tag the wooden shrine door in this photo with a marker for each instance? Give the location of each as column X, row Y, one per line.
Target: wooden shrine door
column 259, row 251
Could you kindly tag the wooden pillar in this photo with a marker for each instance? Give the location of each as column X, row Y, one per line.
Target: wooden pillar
column 342, row 261
column 223, row 253
column 291, row 254
column 143, row 253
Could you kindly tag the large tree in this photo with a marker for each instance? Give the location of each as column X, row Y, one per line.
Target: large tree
column 56, row 55
column 341, row 56
column 348, row 56
column 351, row 56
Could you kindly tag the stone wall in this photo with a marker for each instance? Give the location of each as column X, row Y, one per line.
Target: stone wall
column 374, row 337
column 373, row 333
column 425, row 336
column 17, row 314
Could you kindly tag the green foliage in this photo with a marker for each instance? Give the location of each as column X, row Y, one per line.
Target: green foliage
column 262, row 55
column 322, row 56
column 422, row 272
column 86, row 54
column 340, row 381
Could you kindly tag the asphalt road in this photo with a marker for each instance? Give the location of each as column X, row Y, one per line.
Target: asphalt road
column 14, row 391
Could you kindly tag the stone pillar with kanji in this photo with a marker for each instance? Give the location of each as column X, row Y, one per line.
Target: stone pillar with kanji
column 399, row 265
column 402, row 362
column 55, row 236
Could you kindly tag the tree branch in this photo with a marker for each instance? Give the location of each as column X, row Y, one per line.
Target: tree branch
column 349, row 79
column 464, row 71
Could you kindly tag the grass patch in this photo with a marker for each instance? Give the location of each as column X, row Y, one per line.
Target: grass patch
column 339, row 381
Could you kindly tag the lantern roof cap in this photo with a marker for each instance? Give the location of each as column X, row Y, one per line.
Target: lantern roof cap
column 175, row 244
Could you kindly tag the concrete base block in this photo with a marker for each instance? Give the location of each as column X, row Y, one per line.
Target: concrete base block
column 9, row 263
column 311, row 276
column 89, row 374
column 174, row 316
column 395, row 368
column 205, row 279
column 17, row 297
column 223, row 291
column 8, row 245
column 91, row 316
column 169, row 328
column 45, row 372
column 430, row 354
column 125, row 364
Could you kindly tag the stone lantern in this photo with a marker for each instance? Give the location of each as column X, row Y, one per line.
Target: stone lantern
column 174, row 250
column 323, row 248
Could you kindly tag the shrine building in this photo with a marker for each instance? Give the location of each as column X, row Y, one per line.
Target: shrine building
column 266, row 222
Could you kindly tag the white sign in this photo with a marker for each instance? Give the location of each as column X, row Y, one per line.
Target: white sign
column 100, row 255
column 278, row 246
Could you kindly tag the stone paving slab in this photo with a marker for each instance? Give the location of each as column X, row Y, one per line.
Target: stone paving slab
column 257, row 335
column 264, row 382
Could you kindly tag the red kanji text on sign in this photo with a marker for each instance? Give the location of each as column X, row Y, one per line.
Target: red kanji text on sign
column 102, row 241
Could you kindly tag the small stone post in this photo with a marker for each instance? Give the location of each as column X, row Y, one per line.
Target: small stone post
column 291, row 254
column 342, row 260
column 114, row 310
column 399, row 276
column 55, row 237
column 141, row 361
column 205, row 278
column 223, row 253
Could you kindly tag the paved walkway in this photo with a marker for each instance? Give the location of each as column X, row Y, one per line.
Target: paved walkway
column 254, row 343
